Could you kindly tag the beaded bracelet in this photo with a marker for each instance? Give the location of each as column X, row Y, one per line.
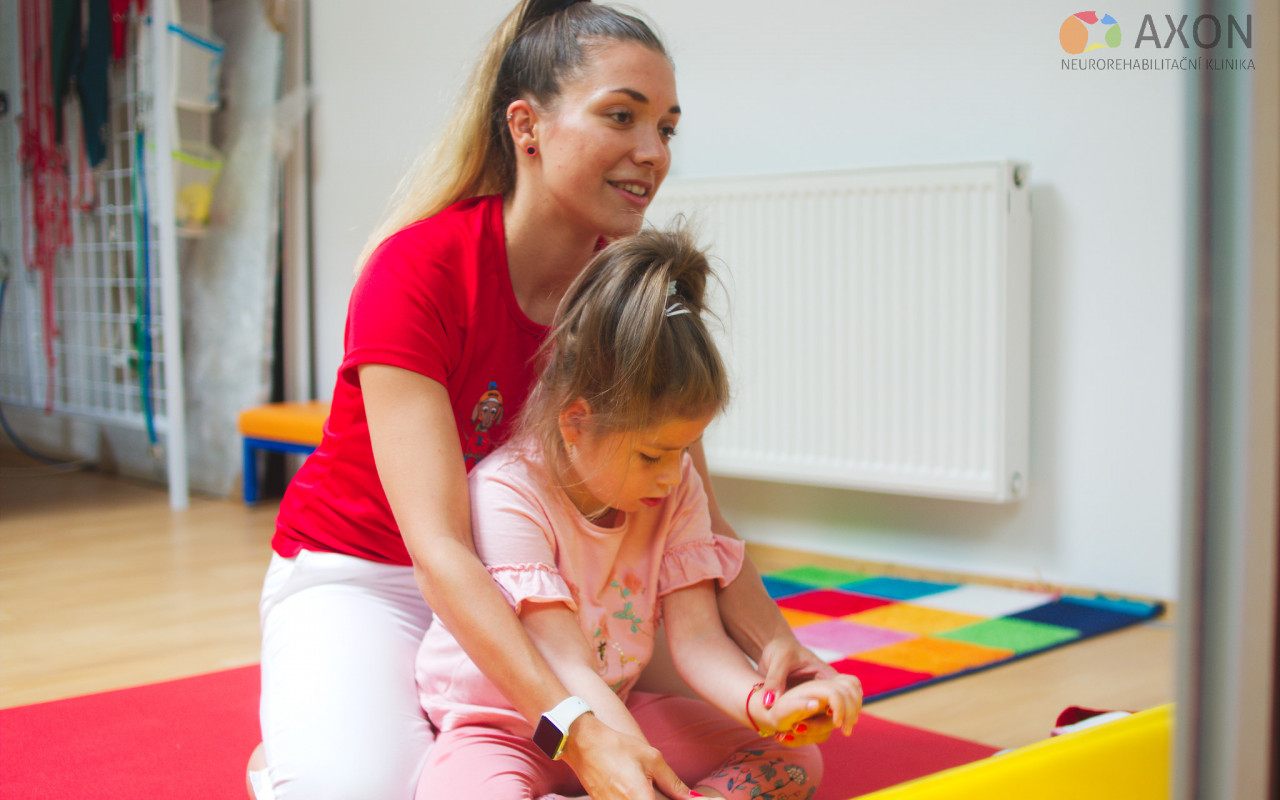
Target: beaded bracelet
column 750, row 718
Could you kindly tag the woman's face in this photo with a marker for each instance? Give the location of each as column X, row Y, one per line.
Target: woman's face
column 604, row 145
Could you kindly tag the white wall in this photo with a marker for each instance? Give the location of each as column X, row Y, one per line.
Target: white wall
column 837, row 84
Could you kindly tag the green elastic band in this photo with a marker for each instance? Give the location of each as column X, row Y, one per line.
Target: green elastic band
column 196, row 161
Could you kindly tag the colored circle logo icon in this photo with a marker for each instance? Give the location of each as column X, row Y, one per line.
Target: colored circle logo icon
column 1088, row 30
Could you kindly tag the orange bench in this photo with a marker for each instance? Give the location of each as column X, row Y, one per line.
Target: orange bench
column 279, row 428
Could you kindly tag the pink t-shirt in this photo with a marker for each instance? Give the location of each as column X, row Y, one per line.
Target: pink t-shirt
column 540, row 548
column 434, row 298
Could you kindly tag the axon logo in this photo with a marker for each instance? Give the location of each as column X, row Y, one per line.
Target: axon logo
column 1228, row 37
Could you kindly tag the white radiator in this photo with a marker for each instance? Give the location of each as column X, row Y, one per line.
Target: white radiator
column 876, row 326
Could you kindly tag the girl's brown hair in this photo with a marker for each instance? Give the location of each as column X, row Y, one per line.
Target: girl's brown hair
column 630, row 339
column 537, row 48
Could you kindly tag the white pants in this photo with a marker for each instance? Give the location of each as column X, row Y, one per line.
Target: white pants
column 339, row 711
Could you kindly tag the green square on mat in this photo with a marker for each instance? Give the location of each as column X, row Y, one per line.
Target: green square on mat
column 1018, row 635
column 819, row 576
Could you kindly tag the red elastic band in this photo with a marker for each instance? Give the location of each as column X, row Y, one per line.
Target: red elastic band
column 750, row 718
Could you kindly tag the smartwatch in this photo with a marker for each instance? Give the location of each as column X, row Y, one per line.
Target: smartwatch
column 552, row 733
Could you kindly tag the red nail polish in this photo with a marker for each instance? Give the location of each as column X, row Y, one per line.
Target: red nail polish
column 769, row 699
column 802, row 728
column 696, row 794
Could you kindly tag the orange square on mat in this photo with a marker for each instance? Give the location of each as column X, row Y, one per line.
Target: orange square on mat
column 935, row 656
column 914, row 619
column 796, row 618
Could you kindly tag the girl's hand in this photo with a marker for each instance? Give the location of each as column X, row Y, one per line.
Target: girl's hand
column 812, row 711
column 814, row 730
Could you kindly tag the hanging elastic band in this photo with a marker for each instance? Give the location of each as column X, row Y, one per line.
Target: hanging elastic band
column 142, row 227
column 47, row 187
column 199, row 41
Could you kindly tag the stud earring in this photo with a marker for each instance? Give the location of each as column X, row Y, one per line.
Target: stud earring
column 531, row 149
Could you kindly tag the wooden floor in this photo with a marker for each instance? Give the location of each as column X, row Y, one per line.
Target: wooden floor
column 102, row 587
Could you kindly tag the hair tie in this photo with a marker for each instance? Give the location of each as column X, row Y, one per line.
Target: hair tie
column 536, row 10
column 676, row 308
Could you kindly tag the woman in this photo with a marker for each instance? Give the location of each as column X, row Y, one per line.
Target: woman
column 560, row 143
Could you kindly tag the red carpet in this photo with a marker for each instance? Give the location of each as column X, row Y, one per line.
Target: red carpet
column 881, row 753
column 192, row 737
column 187, row 738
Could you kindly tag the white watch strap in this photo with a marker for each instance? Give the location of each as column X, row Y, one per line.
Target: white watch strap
column 569, row 709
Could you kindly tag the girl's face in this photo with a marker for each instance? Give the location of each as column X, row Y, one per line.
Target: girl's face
column 626, row 470
column 604, row 147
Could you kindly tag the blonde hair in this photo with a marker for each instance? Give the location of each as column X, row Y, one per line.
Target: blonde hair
column 630, row 339
column 540, row 45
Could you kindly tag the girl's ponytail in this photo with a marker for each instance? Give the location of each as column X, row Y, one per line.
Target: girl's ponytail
column 630, row 338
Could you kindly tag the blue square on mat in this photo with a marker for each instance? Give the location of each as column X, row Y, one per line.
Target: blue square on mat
column 1136, row 607
column 897, row 588
column 781, row 587
column 1089, row 619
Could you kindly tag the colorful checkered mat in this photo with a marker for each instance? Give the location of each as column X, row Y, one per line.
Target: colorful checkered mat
column 897, row 634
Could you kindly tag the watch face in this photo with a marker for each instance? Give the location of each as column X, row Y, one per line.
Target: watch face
column 548, row 738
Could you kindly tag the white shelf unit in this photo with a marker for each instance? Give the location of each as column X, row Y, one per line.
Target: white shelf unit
column 116, row 327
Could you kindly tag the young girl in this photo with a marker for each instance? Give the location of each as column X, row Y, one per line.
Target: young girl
column 594, row 522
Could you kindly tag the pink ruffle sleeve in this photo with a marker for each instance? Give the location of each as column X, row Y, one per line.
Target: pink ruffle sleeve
column 541, row 583
column 718, row 558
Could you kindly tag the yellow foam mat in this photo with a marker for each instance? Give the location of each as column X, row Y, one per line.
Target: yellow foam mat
column 286, row 422
column 1128, row 758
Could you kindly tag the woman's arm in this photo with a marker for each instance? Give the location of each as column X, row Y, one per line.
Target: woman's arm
column 554, row 630
column 715, row 668
column 419, row 460
column 752, row 618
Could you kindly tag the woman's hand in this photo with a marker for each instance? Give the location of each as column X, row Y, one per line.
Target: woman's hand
column 810, row 712
column 615, row 766
column 606, row 748
column 784, row 662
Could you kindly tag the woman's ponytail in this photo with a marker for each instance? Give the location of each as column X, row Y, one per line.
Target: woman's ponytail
column 459, row 163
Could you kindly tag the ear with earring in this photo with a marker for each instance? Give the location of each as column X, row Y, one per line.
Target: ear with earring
column 571, row 421
column 531, row 150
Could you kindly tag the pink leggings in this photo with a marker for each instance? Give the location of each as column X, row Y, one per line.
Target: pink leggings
column 703, row 746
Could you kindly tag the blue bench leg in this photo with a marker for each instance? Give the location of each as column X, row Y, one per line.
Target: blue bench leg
column 252, row 446
column 250, row 473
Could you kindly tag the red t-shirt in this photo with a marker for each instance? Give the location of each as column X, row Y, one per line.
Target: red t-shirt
column 435, row 298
